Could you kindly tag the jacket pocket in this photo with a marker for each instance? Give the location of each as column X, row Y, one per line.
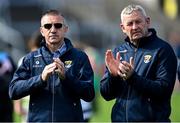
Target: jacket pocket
column 118, row 111
column 139, row 109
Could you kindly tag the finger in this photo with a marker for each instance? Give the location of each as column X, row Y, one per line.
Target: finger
column 107, row 57
column 60, row 67
column 120, row 73
column 125, row 65
column 109, row 54
column 131, row 61
column 59, row 64
column 57, row 70
column 49, row 70
column 106, row 60
column 57, row 60
column 118, row 56
column 52, row 65
column 52, row 69
column 123, row 68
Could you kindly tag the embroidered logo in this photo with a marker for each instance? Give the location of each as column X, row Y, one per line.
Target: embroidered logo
column 37, row 64
column 147, row 58
column 68, row 64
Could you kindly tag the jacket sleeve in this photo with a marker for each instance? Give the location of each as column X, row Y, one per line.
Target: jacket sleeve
column 110, row 86
column 22, row 83
column 79, row 80
column 161, row 86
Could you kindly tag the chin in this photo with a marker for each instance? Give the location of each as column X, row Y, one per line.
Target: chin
column 54, row 41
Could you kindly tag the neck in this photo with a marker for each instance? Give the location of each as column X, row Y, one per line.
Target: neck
column 54, row 47
column 135, row 42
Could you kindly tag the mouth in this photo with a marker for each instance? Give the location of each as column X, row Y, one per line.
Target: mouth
column 137, row 35
column 137, row 32
column 53, row 36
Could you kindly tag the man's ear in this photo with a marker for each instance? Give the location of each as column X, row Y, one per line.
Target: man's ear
column 148, row 20
column 41, row 30
column 66, row 28
column 122, row 27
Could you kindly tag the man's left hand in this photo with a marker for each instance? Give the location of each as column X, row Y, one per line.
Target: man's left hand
column 60, row 68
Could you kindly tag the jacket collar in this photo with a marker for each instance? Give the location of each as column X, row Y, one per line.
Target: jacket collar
column 66, row 46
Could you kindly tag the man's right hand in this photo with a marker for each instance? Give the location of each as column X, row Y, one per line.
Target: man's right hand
column 48, row 70
column 112, row 63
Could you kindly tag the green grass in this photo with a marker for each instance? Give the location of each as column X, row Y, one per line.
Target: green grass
column 175, row 103
column 103, row 113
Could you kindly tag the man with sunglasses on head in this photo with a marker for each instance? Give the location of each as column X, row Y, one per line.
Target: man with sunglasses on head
column 56, row 76
column 140, row 72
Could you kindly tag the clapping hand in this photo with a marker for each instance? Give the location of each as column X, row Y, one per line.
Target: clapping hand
column 112, row 63
column 117, row 67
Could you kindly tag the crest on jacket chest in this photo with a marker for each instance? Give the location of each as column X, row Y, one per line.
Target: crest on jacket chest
column 68, row 64
column 147, row 58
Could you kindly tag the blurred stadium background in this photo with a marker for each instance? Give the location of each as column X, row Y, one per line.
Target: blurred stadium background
column 91, row 22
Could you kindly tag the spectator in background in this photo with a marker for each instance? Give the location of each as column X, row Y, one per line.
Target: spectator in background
column 35, row 42
column 56, row 76
column 140, row 73
column 97, row 65
column 174, row 39
column 21, row 106
column 89, row 108
column 7, row 68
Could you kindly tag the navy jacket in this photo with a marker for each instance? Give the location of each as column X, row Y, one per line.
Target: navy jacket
column 146, row 95
column 55, row 100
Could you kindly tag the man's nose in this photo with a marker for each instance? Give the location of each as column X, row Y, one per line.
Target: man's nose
column 53, row 29
column 134, row 26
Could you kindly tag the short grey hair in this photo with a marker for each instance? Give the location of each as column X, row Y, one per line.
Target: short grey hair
column 130, row 8
column 54, row 12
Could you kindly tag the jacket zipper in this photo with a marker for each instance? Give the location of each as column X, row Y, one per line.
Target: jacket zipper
column 53, row 92
column 129, row 87
column 127, row 104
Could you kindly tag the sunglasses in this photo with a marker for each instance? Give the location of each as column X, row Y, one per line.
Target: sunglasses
column 56, row 25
